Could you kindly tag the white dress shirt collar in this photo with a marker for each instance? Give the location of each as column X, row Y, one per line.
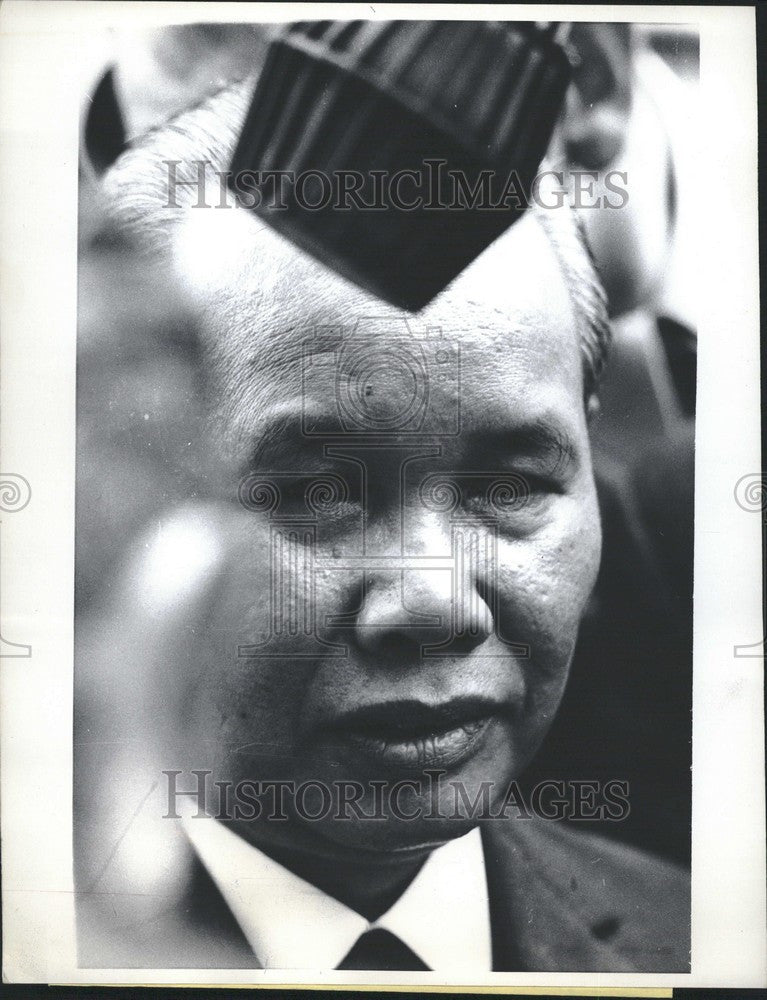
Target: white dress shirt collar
column 443, row 915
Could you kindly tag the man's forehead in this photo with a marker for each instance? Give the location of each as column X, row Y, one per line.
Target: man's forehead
column 265, row 306
column 261, row 295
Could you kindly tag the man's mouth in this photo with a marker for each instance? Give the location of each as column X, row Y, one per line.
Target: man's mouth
column 411, row 735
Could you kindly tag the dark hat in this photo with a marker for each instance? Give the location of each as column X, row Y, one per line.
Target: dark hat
column 406, row 147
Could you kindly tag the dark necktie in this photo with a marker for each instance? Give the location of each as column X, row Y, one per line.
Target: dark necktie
column 381, row 951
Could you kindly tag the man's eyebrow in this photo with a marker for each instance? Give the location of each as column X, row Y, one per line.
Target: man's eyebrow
column 282, row 440
column 542, row 438
column 282, row 436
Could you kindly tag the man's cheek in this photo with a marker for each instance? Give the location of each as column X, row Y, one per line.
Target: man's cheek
column 569, row 552
column 544, row 585
column 275, row 602
column 256, row 720
column 262, row 648
column 248, row 711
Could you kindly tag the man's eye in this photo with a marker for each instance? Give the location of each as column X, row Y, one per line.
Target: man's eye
column 508, row 493
column 491, row 495
column 318, row 495
column 295, row 495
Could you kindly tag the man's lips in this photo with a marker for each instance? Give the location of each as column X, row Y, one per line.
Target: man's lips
column 413, row 735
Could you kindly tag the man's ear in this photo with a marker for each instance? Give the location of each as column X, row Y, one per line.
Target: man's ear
column 593, row 408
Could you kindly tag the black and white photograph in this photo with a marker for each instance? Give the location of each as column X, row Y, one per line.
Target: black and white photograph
column 388, row 599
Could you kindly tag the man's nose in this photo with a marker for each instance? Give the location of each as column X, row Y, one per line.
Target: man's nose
column 435, row 602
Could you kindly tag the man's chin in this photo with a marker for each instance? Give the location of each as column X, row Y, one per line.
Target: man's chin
column 393, row 836
column 407, row 815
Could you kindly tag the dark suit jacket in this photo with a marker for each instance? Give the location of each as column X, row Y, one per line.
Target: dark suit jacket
column 560, row 901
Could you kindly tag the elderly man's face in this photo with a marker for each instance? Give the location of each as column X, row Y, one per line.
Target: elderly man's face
column 416, row 534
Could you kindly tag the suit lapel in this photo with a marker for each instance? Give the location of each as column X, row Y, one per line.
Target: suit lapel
column 538, row 922
column 206, row 912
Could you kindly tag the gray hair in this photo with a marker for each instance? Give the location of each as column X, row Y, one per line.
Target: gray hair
column 567, row 235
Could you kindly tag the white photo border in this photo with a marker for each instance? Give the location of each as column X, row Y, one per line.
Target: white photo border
column 47, row 50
